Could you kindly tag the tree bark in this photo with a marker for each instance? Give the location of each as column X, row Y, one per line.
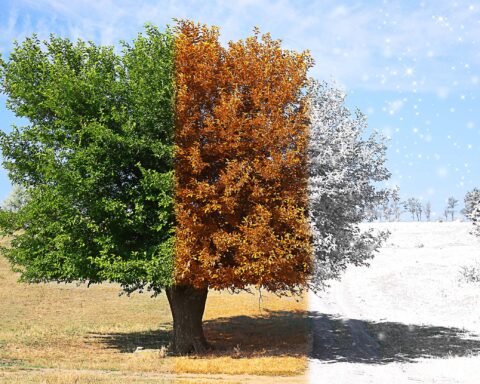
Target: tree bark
column 187, row 305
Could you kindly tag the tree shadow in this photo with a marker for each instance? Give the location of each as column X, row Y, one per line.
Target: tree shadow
column 132, row 341
column 350, row 340
column 275, row 333
column 282, row 333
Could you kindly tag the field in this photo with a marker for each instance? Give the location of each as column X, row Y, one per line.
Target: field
column 412, row 317
column 57, row 333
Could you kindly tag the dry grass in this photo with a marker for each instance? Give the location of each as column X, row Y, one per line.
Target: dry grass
column 62, row 377
column 54, row 333
column 111, row 377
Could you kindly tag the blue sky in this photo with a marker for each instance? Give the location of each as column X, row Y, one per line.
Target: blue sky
column 412, row 67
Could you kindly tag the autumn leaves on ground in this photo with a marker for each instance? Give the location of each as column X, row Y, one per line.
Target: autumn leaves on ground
column 56, row 333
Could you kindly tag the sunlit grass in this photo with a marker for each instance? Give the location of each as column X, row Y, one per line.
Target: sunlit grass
column 90, row 334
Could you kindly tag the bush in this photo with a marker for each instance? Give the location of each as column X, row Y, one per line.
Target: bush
column 470, row 274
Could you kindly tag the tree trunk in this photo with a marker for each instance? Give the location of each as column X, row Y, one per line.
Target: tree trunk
column 187, row 305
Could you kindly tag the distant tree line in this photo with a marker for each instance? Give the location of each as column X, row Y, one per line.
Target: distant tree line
column 394, row 206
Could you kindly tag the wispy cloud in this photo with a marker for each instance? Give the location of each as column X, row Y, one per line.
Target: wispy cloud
column 388, row 45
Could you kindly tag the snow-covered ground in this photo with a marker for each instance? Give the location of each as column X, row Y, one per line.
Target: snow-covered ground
column 408, row 318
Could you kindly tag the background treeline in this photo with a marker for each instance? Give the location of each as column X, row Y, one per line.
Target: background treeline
column 414, row 209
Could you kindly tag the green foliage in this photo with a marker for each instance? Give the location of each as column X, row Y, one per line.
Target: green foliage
column 96, row 158
column 7, row 221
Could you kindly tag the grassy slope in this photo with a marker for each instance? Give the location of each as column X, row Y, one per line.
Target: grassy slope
column 81, row 334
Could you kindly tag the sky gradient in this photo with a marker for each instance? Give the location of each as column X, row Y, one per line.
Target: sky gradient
column 412, row 67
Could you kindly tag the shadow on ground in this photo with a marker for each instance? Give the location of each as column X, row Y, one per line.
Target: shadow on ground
column 276, row 333
column 129, row 342
column 334, row 339
column 359, row 341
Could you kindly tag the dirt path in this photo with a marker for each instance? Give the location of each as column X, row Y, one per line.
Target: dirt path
column 408, row 318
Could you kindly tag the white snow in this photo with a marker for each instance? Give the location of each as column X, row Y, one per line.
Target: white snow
column 408, row 318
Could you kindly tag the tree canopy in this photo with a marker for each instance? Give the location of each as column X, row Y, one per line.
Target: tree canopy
column 472, row 209
column 242, row 134
column 471, row 199
column 96, row 160
column 184, row 165
column 344, row 169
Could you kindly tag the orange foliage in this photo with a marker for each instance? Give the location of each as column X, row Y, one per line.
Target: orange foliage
column 241, row 136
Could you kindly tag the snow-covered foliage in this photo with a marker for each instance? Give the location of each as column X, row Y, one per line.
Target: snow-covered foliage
column 344, row 168
column 472, row 209
column 471, row 199
column 414, row 206
column 17, row 198
column 475, row 217
column 394, row 209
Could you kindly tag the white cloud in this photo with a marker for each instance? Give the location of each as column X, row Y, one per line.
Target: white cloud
column 358, row 44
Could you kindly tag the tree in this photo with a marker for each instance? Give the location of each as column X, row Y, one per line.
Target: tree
column 181, row 165
column 344, row 168
column 387, row 207
column 428, row 210
column 377, row 212
column 241, row 134
column 16, row 200
column 470, row 200
column 96, row 159
column 394, row 199
column 419, row 210
column 387, row 211
column 474, row 215
column 13, row 203
column 411, row 205
column 451, row 204
column 472, row 209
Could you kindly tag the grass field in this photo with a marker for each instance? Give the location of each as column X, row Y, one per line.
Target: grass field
column 57, row 333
